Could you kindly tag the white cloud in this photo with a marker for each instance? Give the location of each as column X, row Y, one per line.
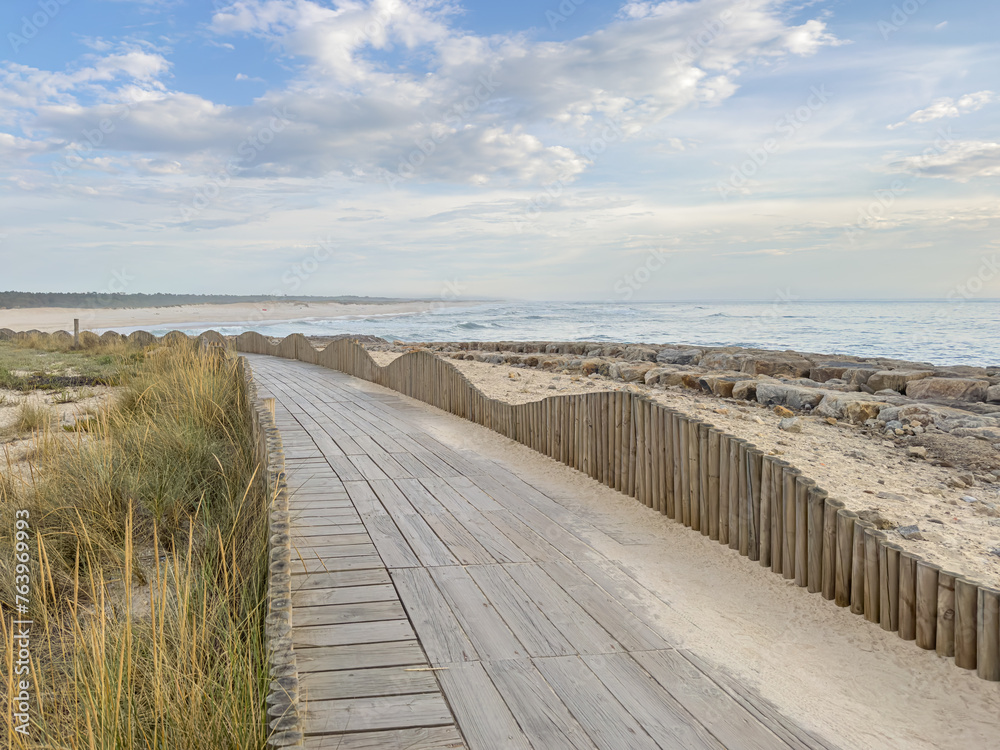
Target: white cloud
column 958, row 160
column 948, row 107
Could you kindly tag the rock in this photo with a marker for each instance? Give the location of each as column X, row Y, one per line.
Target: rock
column 678, row 357
column 917, row 451
column 953, row 389
column 831, row 420
column 794, row 424
column 781, row 411
column 988, row 434
column 791, row 366
column 886, row 393
column 965, row 371
column 794, row 397
column 652, row 377
column 876, row 519
column 910, row 532
column 591, row 366
column 836, row 405
column 993, row 394
column 639, row 353
column 629, row 372
column 858, row 375
column 892, row 496
column 745, row 390
column 718, row 386
column 969, row 499
column 829, row 371
column 896, row 380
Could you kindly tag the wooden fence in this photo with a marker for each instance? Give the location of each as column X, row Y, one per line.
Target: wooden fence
column 714, row 483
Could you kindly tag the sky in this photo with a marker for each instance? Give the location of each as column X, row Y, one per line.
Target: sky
column 555, row 149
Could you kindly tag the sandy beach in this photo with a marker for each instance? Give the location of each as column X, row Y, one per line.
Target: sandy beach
column 188, row 317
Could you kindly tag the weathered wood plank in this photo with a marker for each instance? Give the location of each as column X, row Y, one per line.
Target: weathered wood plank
column 438, row 629
column 348, row 633
column 366, row 714
column 361, row 656
column 369, row 611
column 433, row 738
column 480, row 620
column 479, row 709
column 366, row 683
column 345, row 595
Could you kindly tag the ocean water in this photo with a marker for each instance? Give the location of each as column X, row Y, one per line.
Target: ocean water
column 959, row 332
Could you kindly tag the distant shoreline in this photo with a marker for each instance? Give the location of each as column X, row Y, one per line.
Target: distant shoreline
column 50, row 319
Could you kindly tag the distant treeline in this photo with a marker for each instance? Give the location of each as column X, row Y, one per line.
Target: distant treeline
column 10, row 300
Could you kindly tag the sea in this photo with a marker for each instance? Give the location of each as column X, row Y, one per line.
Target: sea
column 959, row 332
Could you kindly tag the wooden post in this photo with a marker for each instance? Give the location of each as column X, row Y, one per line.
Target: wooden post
column 888, row 586
column 685, row 467
column 703, row 479
column 790, row 475
column 745, row 490
column 858, row 567
column 927, row 593
column 945, row 642
column 754, row 459
column 966, row 616
column 988, row 630
column 714, row 446
column 734, row 493
column 269, row 405
column 678, row 460
column 695, row 474
column 830, row 508
column 802, row 489
column 724, row 489
column 765, row 512
column 908, row 596
column 814, row 522
column 668, row 463
column 845, row 548
column 872, row 539
column 76, row 333
column 777, row 515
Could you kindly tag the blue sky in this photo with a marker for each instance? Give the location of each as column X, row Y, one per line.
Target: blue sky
column 744, row 149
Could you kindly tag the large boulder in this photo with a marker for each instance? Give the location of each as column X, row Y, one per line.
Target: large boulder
column 640, row 353
column 829, row 371
column 858, row 375
column 792, row 396
column 896, row 380
column 590, row 366
column 854, row 407
column 722, row 360
column 789, row 365
column 952, row 389
column 719, row 385
column 630, row 372
column 672, row 356
column 965, row 371
column 745, row 390
column 993, row 394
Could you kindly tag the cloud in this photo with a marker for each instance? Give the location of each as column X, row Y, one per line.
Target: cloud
column 463, row 108
column 948, row 107
column 959, row 161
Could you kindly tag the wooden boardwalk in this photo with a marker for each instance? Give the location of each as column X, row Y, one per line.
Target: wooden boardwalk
column 442, row 602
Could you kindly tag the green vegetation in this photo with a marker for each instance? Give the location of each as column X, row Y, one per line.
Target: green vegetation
column 148, row 567
column 28, row 365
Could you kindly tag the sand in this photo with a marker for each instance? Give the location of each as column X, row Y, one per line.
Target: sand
column 851, row 465
column 829, row 670
column 49, row 319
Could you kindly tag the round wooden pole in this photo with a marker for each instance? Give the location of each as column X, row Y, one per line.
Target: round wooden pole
column 945, row 642
column 754, row 461
column 907, row 596
column 927, row 593
column 872, row 601
column 765, row 512
column 816, row 500
column 695, row 475
column 734, row 493
column 746, row 495
column 888, row 572
column 703, row 479
column 685, row 467
column 790, row 475
column 830, row 508
column 858, row 567
column 724, row 489
column 845, row 550
column 802, row 488
column 714, row 479
column 988, row 635
column 966, row 615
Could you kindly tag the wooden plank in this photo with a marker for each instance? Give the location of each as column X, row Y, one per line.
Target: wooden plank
column 460, row 541
column 480, row 711
column 429, row 549
column 583, row 632
column 350, row 633
column 545, row 720
column 528, row 623
column 429, row 738
column 440, row 633
column 332, row 580
column 335, row 564
column 607, row 722
column 367, row 468
column 371, row 611
column 346, row 471
column 727, row 720
column 366, row 714
column 366, row 683
column 624, row 626
column 763, row 710
column 477, row 615
column 524, row 544
column 656, row 710
column 361, row 656
column 307, row 598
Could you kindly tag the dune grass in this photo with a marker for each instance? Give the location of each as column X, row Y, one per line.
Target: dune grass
column 40, row 363
column 148, row 569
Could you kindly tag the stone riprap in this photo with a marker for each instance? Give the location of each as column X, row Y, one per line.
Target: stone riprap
column 894, row 396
